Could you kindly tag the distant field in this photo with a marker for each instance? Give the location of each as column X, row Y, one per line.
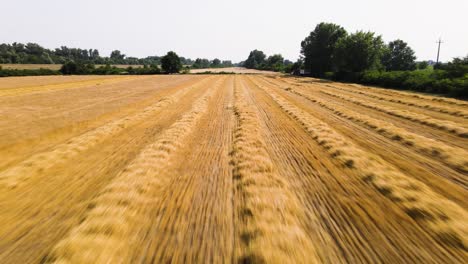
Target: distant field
column 232, row 69
column 51, row 66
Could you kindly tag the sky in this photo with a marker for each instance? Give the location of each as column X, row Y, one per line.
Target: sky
column 229, row 30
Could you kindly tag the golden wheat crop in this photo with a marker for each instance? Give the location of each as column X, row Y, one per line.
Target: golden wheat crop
column 259, row 168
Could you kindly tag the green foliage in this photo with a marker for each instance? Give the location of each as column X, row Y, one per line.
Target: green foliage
column 32, row 53
column 35, row 72
column 117, row 56
column 362, row 57
column 255, row 60
column 152, row 69
column 218, row 73
column 216, row 63
column 70, row 67
column 456, row 68
column 171, row 63
column 358, row 52
column 422, row 65
column 398, row 56
column 258, row 60
column 201, row 64
column 438, row 81
column 275, row 63
column 318, row 48
column 226, row 63
column 76, row 68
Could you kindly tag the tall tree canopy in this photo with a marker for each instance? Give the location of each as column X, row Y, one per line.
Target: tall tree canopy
column 170, row 63
column 275, row 62
column 398, row 56
column 457, row 68
column 216, row 63
column 358, row 52
column 255, row 60
column 318, row 48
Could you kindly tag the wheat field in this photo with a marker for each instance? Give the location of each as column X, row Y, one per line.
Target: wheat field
column 229, row 169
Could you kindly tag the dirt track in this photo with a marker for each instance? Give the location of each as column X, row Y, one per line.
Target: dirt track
column 229, row 168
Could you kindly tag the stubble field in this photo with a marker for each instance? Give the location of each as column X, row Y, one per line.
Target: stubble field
column 229, row 169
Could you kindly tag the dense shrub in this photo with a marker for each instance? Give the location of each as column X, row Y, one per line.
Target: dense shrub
column 153, row 69
column 72, row 68
column 34, row 72
column 437, row 81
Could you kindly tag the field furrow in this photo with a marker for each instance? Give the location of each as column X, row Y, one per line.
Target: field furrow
column 116, row 224
column 455, row 157
column 245, row 168
column 432, row 106
column 61, row 194
column 421, row 166
column 442, row 101
column 447, row 126
column 349, row 210
column 193, row 222
column 443, row 218
column 269, row 215
column 47, row 120
column 63, row 152
column 409, row 125
column 423, row 98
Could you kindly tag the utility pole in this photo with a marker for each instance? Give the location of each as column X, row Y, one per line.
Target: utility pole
column 438, row 50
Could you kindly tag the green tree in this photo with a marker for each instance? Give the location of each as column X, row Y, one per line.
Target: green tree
column 71, row 67
column 275, row 62
column 358, row 52
column 226, row 63
column 398, row 56
column 255, row 60
column 457, row 68
column 422, row 65
column 216, row 63
column 201, row 63
column 170, row 63
column 117, row 57
column 318, row 48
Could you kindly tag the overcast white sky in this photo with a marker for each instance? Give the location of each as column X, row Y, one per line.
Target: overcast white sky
column 229, row 29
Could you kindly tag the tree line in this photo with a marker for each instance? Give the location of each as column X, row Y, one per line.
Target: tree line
column 33, row 53
column 216, row 63
column 330, row 52
column 84, row 61
column 170, row 63
column 258, row 60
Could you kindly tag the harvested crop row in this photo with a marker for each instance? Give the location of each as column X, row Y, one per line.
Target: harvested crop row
column 63, row 152
column 443, row 125
column 452, row 156
column 194, row 223
column 429, row 106
column 390, row 92
column 121, row 215
column 444, row 218
column 448, row 101
column 453, row 110
column 269, row 213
